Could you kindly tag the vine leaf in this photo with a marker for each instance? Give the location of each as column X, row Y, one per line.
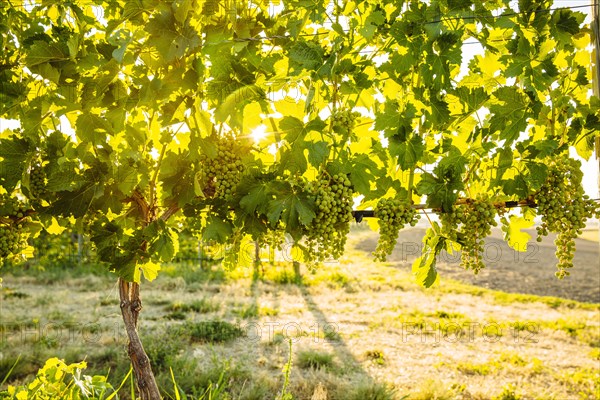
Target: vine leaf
column 509, row 116
column 217, row 229
column 306, row 55
column 92, row 128
column 256, row 198
column 42, row 52
column 317, row 152
column 409, row 152
column 424, row 268
column 13, row 152
column 291, row 209
column 149, row 269
column 443, row 186
column 77, row 202
column 513, row 234
column 163, row 241
column 362, row 171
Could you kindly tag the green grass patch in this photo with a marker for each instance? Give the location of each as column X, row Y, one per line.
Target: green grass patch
column 433, row 389
column 505, row 361
column 212, row 331
column 332, row 278
column 509, row 392
column 163, row 348
column 314, row 359
column 370, row 391
column 176, row 316
column 201, row 306
column 584, row 382
column 280, row 273
column 247, row 311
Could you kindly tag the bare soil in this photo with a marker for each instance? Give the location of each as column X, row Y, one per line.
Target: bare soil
column 530, row 272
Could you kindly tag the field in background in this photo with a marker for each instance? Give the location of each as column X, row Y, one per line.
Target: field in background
column 359, row 330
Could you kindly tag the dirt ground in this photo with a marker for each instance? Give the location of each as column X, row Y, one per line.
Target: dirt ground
column 530, row 272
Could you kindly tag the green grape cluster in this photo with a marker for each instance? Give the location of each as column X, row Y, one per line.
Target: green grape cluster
column 10, row 240
column 469, row 224
column 393, row 215
column 343, row 120
column 13, row 214
column 37, row 181
column 327, row 232
column 224, row 171
column 564, row 209
column 273, row 239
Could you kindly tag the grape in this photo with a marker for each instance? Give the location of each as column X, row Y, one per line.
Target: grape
column 342, row 121
column 12, row 215
column 273, row 240
column 37, row 181
column 564, row 209
column 223, row 172
column 327, row 232
column 10, row 241
column 393, row 214
column 469, row 224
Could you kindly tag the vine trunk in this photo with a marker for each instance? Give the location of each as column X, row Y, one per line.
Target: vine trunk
column 131, row 306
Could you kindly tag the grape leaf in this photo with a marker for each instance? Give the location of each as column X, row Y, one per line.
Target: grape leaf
column 42, row 52
column 77, row 202
column 292, row 209
column 509, row 117
column 149, row 269
column 92, row 128
column 217, row 229
column 13, row 152
column 409, row 152
column 317, row 152
column 423, row 268
column 513, row 234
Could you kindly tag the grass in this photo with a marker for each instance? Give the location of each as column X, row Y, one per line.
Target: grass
column 201, row 306
column 314, row 359
column 371, row 391
column 247, row 311
column 509, row 362
column 212, row 331
column 509, row 392
column 584, row 381
column 376, row 356
column 433, row 389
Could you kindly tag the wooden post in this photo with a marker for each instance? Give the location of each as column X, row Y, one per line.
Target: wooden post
column 256, row 262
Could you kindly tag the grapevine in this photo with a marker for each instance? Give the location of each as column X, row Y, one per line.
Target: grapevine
column 469, row 224
column 393, row 215
column 326, row 234
column 564, row 209
column 144, row 92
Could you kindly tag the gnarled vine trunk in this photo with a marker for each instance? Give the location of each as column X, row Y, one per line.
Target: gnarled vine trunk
column 131, row 306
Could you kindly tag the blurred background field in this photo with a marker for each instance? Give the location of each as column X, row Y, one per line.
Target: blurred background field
column 359, row 329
